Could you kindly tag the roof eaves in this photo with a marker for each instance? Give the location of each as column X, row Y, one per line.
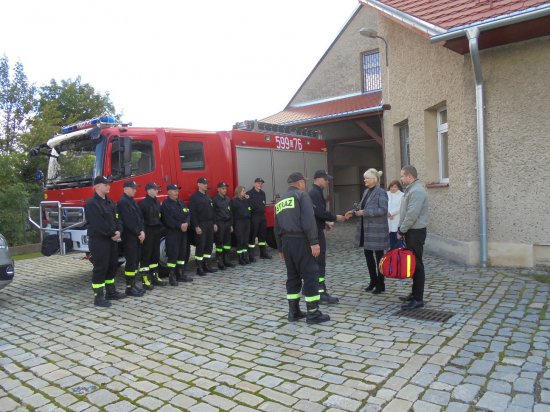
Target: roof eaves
column 419, row 24
column 335, row 115
column 495, row 22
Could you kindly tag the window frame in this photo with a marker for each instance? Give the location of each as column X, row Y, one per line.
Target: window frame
column 404, row 143
column 378, row 81
column 442, row 128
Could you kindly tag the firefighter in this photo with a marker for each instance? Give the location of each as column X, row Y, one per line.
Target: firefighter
column 241, row 223
column 175, row 216
column 298, row 245
column 104, row 233
column 202, row 219
column 133, row 236
column 258, row 227
column 223, row 219
column 322, row 216
column 150, row 209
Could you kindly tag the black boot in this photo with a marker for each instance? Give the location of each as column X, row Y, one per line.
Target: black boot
column 325, row 297
column 207, row 268
column 147, row 285
column 181, row 276
column 251, row 258
column 380, row 285
column 172, row 279
column 131, row 289
column 219, row 261
column 99, row 298
column 294, row 312
column 263, row 253
column 155, row 279
column 372, row 283
column 246, row 258
column 111, row 293
column 241, row 259
column 226, row 260
column 314, row 315
column 200, row 270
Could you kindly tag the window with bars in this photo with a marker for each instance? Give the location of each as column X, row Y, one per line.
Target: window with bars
column 371, row 71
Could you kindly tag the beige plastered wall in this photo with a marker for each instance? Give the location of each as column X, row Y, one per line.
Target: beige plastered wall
column 420, row 78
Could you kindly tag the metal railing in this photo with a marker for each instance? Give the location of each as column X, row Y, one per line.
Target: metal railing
column 61, row 227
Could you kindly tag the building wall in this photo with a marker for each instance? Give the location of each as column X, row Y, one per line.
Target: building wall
column 339, row 72
column 420, row 78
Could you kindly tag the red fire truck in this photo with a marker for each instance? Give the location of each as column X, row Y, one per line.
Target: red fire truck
column 103, row 146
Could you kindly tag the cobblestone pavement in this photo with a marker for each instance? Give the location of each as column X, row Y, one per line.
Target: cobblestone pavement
column 223, row 342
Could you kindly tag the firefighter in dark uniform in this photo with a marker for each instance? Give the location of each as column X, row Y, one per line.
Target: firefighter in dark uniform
column 150, row 250
column 202, row 219
column 258, row 227
column 323, row 216
column 175, row 216
column 241, row 223
column 223, row 218
column 297, row 242
column 104, row 232
column 133, row 236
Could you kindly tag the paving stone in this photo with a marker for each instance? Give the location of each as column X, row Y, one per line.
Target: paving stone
column 466, row 392
column 422, row 406
column 102, row 397
column 437, row 397
column 494, row 401
column 397, row 405
column 339, row 402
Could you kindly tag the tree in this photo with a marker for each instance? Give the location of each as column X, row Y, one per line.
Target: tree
column 17, row 104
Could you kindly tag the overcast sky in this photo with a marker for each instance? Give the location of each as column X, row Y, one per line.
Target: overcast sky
column 193, row 64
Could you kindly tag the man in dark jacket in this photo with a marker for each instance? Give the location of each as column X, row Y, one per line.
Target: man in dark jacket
column 258, row 225
column 202, row 219
column 103, row 234
column 298, row 244
column 133, row 236
column 150, row 250
column 175, row 216
column 322, row 218
column 223, row 218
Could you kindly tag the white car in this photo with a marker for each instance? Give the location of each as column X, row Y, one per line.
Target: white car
column 6, row 263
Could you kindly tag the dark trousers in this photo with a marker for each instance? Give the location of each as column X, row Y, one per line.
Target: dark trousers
column 150, row 249
column 242, row 233
column 176, row 246
column 301, row 268
column 414, row 240
column 222, row 237
column 322, row 258
column 131, row 246
column 104, row 258
column 204, row 241
column 258, row 229
column 373, row 257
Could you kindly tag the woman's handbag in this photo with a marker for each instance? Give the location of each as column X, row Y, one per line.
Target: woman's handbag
column 398, row 263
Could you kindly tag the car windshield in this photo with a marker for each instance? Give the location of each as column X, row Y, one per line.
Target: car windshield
column 75, row 162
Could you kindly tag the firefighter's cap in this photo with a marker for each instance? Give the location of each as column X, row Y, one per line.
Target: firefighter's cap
column 322, row 173
column 101, row 179
column 295, row 177
column 173, row 186
column 259, row 179
column 202, row 180
column 130, row 183
column 223, row 184
column 151, row 185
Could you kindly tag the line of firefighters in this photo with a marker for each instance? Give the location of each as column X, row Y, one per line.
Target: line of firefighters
column 138, row 228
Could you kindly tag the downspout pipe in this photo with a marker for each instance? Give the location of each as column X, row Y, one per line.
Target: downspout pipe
column 473, row 38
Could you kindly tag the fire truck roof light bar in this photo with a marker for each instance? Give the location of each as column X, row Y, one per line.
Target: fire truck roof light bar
column 254, row 125
column 105, row 121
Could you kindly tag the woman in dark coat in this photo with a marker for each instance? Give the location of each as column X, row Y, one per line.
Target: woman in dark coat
column 372, row 229
column 241, row 223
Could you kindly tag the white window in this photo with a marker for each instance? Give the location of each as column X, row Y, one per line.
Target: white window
column 371, row 71
column 405, row 148
column 443, row 145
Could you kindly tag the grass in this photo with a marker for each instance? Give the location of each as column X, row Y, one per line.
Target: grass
column 24, row 256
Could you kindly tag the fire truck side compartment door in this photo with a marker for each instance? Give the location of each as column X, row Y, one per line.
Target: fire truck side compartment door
column 255, row 162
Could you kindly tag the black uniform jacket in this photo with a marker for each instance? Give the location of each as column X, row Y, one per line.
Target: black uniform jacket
column 101, row 217
column 294, row 216
column 130, row 215
column 241, row 208
column 222, row 209
column 174, row 213
column 257, row 202
column 150, row 209
column 322, row 215
column 202, row 209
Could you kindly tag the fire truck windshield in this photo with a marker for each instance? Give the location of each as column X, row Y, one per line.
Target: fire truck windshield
column 75, row 162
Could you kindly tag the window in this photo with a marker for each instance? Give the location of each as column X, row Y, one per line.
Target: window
column 143, row 159
column 443, row 145
column 404, row 142
column 371, row 71
column 191, row 155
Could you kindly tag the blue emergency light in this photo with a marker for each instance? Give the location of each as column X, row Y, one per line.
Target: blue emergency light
column 105, row 120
